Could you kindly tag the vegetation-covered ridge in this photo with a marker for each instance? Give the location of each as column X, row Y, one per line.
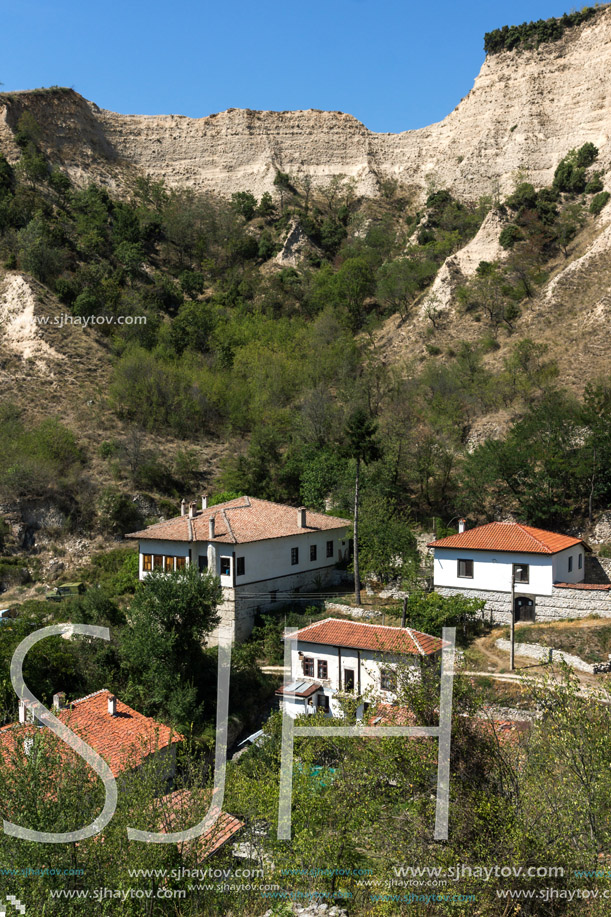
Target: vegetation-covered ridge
column 532, row 34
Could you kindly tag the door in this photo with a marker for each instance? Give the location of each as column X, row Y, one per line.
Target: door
column 524, row 608
column 348, row 679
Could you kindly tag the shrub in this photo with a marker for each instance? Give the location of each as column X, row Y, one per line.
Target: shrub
column 595, row 184
column 117, row 513
column 510, row 235
column 598, row 202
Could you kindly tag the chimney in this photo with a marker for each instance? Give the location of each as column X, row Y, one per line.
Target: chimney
column 59, row 700
column 183, row 508
column 211, row 528
column 22, row 711
column 204, row 501
column 301, row 517
column 112, row 705
column 462, row 525
column 192, row 510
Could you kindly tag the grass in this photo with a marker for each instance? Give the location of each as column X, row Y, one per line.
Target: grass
column 588, row 638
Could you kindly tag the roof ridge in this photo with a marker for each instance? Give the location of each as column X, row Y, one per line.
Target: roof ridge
column 361, row 624
column 79, row 700
column 526, row 529
column 228, row 524
column 411, row 633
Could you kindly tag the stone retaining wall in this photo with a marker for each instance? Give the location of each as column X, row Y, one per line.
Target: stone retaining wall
column 561, row 604
column 545, row 654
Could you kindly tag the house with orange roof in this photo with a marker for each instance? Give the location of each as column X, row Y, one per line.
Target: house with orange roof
column 126, row 740
column 263, row 553
column 332, row 656
column 542, row 573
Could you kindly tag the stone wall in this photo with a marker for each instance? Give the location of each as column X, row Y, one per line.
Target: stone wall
column 241, row 603
column 546, row 654
column 561, row 604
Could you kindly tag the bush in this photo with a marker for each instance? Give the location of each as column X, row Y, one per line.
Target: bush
column 598, row 202
column 117, row 513
column 595, row 184
column 510, row 235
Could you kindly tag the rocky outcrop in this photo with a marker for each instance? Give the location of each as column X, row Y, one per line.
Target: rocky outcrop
column 525, row 111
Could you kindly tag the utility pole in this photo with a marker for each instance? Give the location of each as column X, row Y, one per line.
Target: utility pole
column 513, row 620
column 404, row 614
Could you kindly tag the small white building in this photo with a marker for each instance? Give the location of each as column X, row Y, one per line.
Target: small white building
column 334, row 656
column 544, row 571
column 262, row 552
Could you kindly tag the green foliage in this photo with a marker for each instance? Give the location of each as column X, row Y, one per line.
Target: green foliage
column 169, row 617
column 430, row 612
column 598, row 202
column 510, row 235
column 117, row 513
column 37, row 459
column 532, row 34
column 570, row 174
column 245, row 204
column 595, row 184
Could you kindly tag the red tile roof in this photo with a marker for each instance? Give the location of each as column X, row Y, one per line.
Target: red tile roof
column 509, row 536
column 123, row 740
column 602, row 587
column 178, row 813
column 356, row 635
column 240, row 521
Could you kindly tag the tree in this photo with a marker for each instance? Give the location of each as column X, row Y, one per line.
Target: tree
column 170, row 617
column 362, row 446
column 244, row 203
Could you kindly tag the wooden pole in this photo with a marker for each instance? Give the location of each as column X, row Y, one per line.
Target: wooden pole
column 513, row 620
column 404, row 615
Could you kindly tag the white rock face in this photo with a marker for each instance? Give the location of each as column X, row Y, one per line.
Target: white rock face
column 19, row 330
column 525, row 111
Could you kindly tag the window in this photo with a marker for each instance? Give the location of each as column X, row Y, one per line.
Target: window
column 571, row 564
column 308, row 667
column 225, row 566
column 294, row 556
column 329, row 549
column 168, row 564
column 202, row 561
column 322, row 668
column 312, row 552
column 465, row 568
column 580, row 561
column 323, row 702
column 348, row 679
column 147, row 561
column 181, row 563
column 158, row 561
column 388, row 680
column 240, row 566
column 520, row 573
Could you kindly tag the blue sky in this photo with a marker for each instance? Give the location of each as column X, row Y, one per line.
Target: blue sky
column 394, row 64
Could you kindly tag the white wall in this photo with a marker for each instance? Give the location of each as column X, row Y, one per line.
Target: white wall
column 263, row 560
column 370, row 662
column 492, row 571
column 170, row 548
column 561, row 565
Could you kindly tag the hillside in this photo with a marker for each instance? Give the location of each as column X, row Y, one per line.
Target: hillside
column 293, row 268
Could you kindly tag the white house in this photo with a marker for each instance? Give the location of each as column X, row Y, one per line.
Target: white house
column 348, row 656
column 263, row 552
column 544, row 572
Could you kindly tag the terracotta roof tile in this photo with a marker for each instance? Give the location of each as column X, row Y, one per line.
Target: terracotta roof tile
column 509, row 536
column 240, row 521
column 356, row 635
column 601, row 587
column 178, row 813
column 124, row 740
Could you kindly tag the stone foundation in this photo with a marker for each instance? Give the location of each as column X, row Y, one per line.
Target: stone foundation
column 241, row 603
column 561, row 604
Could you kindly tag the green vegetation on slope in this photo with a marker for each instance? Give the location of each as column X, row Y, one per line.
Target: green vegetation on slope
column 532, row 34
